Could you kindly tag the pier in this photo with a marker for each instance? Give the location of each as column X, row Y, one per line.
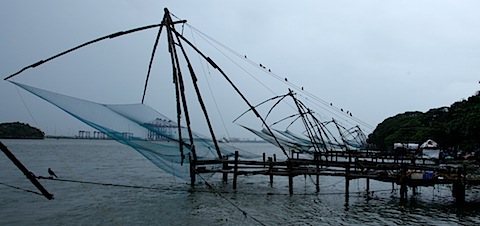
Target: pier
column 405, row 171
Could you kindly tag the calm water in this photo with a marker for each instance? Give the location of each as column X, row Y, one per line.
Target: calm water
column 171, row 202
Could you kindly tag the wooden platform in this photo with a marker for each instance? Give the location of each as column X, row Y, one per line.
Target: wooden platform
column 402, row 170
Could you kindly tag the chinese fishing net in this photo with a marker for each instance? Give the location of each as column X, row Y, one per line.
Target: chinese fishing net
column 139, row 126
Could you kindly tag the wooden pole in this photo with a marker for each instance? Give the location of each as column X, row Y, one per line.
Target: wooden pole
column 192, row 170
column 263, row 158
column 290, row 177
column 458, row 188
column 317, row 182
column 25, row 171
column 270, row 170
column 347, row 179
column 235, row 170
column 225, row 169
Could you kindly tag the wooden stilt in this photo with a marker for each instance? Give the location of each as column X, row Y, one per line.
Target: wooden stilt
column 225, row 169
column 290, row 178
column 458, row 188
column 403, row 183
column 264, row 158
column 347, row 179
column 347, row 188
column 235, row 170
column 317, row 181
column 192, row 170
column 270, row 170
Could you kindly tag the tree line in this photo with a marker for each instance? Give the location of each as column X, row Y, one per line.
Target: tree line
column 17, row 130
column 456, row 127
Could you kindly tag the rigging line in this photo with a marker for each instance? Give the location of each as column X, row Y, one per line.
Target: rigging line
column 26, row 106
column 231, row 60
column 279, row 78
column 110, row 36
column 211, row 62
column 242, row 68
column 228, row 200
column 211, row 91
column 97, row 183
column 257, row 65
column 22, row 189
column 105, row 209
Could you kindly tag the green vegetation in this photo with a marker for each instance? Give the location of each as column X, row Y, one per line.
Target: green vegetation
column 17, row 130
column 456, row 127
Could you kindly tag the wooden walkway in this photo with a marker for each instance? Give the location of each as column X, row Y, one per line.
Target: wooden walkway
column 401, row 170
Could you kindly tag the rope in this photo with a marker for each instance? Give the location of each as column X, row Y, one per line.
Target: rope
column 105, row 209
column 228, row 200
column 282, row 79
column 96, row 183
column 211, row 92
column 22, row 189
column 26, row 106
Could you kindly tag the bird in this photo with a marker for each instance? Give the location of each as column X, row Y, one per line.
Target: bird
column 50, row 171
column 286, row 80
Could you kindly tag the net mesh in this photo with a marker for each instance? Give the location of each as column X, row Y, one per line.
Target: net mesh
column 149, row 132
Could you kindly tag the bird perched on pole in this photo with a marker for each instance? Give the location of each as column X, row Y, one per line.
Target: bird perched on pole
column 50, row 171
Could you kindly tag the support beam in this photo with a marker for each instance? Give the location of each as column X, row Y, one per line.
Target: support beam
column 25, row 171
column 235, row 171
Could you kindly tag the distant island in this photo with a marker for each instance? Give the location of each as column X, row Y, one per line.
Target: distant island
column 18, row 130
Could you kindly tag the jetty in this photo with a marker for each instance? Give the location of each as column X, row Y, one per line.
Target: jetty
column 405, row 171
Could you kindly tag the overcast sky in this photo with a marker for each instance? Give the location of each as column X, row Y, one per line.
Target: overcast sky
column 375, row 59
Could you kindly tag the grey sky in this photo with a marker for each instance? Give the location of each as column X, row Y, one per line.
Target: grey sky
column 373, row 58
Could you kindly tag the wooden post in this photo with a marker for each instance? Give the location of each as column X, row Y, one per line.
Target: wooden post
column 264, row 158
column 347, row 178
column 270, row 170
column 225, row 168
column 403, row 183
column 274, row 157
column 458, row 188
column 235, row 170
column 317, row 182
column 290, row 177
column 192, row 170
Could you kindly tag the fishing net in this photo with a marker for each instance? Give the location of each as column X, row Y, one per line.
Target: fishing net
column 301, row 131
column 149, row 132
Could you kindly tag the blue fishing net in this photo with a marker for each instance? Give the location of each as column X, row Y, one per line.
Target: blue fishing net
column 149, row 132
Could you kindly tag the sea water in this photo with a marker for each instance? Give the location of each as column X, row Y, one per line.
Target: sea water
column 158, row 198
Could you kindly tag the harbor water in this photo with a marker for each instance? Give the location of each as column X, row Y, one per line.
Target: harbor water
column 129, row 190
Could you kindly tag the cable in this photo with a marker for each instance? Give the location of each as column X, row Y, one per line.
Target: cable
column 282, row 80
column 22, row 189
column 231, row 203
column 26, row 106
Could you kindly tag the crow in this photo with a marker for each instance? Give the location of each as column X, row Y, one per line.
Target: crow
column 50, row 171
